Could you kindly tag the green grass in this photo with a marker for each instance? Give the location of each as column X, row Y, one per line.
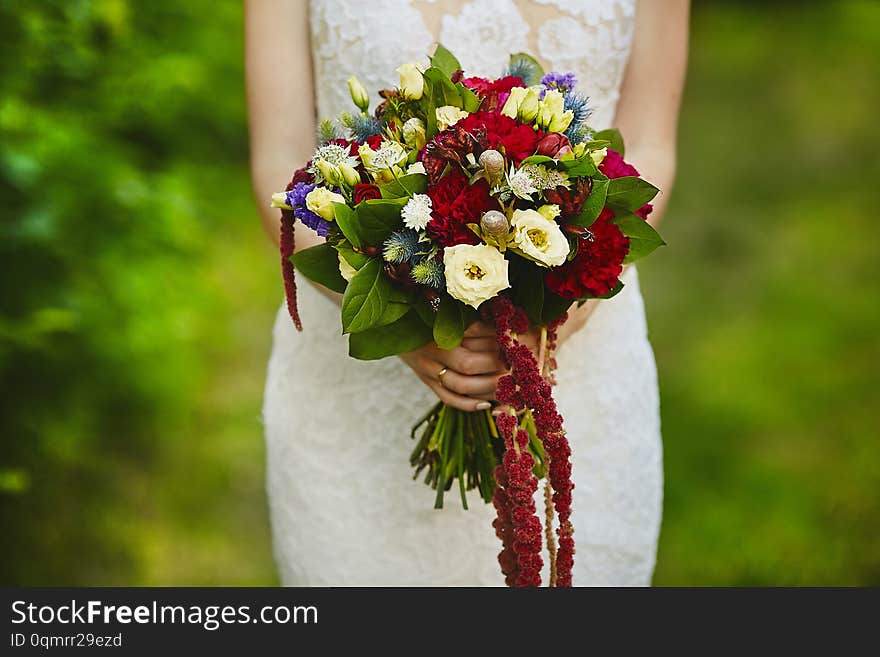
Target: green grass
column 138, row 295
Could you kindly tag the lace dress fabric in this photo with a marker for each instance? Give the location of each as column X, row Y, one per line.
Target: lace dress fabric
column 344, row 507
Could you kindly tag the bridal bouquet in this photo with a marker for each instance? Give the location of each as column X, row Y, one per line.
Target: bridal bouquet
column 459, row 198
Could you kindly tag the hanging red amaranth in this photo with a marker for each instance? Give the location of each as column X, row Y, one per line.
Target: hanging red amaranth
column 525, row 387
column 287, row 244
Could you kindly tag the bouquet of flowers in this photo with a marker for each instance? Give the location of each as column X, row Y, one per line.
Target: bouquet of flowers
column 459, row 198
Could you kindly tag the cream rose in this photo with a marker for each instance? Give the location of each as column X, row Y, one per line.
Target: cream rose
column 412, row 83
column 320, row 201
column 448, row 116
column 474, row 274
column 538, row 237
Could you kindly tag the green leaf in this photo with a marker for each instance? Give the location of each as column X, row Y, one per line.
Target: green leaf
column 539, row 159
column 630, row 193
column 366, row 298
column 406, row 334
column 613, row 291
column 449, row 323
column 405, row 186
column 581, row 167
column 425, row 312
column 352, row 257
column 527, row 288
column 347, row 220
column 523, row 61
column 320, row 264
column 594, row 203
column 643, row 239
column 393, row 311
column 612, row 135
column 445, row 60
column 377, row 218
column 554, row 306
column 470, row 102
column 442, row 89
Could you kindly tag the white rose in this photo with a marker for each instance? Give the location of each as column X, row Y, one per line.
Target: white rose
column 412, row 83
column 474, row 274
column 320, row 201
column 539, row 237
column 346, row 270
column 448, row 116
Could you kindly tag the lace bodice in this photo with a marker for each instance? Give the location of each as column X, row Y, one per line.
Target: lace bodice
column 590, row 38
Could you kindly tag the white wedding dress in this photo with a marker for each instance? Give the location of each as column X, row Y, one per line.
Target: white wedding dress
column 344, row 507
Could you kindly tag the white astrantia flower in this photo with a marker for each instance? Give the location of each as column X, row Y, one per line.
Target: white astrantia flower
column 388, row 155
column 474, row 274
column 539, row 238
column 543, row 177
column 417, row 212
column 520, row 184
column 416, row 167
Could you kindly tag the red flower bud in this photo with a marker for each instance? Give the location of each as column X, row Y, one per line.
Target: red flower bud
column 554, row 144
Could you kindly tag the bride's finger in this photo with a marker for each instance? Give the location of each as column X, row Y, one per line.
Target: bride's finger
column 482, row 386
column 480, row 344
column 479, row 330
column 460, row 402
column 471, row 363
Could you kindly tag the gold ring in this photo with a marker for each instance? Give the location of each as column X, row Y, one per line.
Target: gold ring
column 440, row 375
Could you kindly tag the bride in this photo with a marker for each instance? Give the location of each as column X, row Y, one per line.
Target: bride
column 344, row 507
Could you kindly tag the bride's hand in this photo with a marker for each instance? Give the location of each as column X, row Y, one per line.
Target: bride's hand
column 471, row 370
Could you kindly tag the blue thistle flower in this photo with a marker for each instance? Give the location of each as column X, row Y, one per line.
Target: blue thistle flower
column 429, row 271
column 523, row 66
column 580, row 106
column 361, row 126
column 401, row 246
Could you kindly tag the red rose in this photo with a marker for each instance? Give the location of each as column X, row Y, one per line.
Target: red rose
column 365, row 192
column 374, row 142
column 455, row 204
column 554, row 145
column 594, row 270
column 518, row 141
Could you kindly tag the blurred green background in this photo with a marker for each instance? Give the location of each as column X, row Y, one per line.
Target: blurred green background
column 138, row 293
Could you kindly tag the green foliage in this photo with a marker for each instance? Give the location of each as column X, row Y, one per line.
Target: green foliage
column 408, row 333
column 405, row 186
column 366, row 298
column 449, row 323
column 594, row 204
column 643, row 239
column 629, row 193
column 444, row 60
column 320, row 264
column 614, row 139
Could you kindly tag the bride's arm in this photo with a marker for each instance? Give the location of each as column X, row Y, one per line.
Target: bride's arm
column 647, row 114
column 281, row 102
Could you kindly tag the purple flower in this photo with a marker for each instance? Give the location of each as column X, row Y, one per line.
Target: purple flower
column 564, row 82
column 296, row 198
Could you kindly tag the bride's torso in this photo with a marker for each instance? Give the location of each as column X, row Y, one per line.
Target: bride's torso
column 590, row 38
